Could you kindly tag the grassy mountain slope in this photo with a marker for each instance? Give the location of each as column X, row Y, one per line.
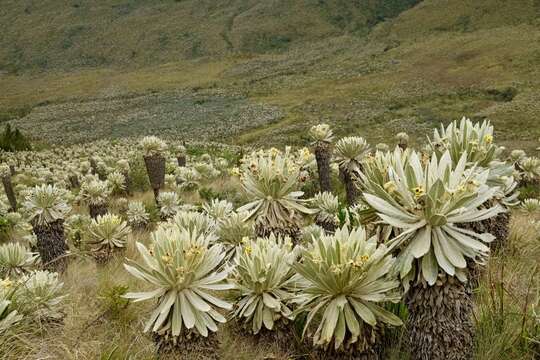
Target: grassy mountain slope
column 342, row 64
column 51, row 34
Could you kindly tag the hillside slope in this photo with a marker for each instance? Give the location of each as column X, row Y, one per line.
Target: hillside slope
column 437, row 61
column 52, row 34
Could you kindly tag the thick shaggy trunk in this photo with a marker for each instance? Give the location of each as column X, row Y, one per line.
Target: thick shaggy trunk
column 282, row 336
column 74, row 181
column 323, row 156
column 350, row 187
column 440, row 323
column 181, row 160
column 188, row 347
column 498, row 226
column 292, row 231
column 93, row 167
column 97, row 210
column 328, row 226
column 155, row 167
column 528, row 183
column 8, row 187
column 51, row 245
column 128, row 183
column 367, row 347
column 95, row 170
column 138, row 226
column 103, row 256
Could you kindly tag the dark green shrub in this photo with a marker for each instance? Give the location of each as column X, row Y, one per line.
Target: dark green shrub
column 528, row 192
column 113, row 301
column 207, row 194
column 13, row 140
column 139, row 176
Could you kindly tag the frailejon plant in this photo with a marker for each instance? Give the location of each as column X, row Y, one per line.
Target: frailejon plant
column 206, row 170
column 506, row 196
column 73, row 177
column 344, row 282
column 170, row 182
column 350, row 153
column 194, row 222
column 5, row 174
column 529, row 171
column 517, row 155
column 180, row 153
column 169, row 204
column 117, row 183
column 327, row 205
column 153, row 148
column 182, row 268
column 271, row 180
column 46, row 208
column 107, row 234
column 95, row 193
column 476, row 140
column 8, row 315
column 430, row 204
column 13, row 226
column 39, row 295
column 322, row 138
column 266, row 287
column 15, row 260
column 188, row 178
column 311, row 231
column 530, row 205
column 137, row 215
column 232, row 230
column 402, row 140
column 218, row 209
column 124, row 168
column 382, row 147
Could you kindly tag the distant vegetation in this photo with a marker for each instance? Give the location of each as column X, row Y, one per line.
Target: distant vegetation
column 13, row 140
column 263, row 72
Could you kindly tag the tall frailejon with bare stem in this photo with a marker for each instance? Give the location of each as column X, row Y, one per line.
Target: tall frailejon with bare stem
column 350, row 152
column 154, row 160
column 47, row 209
column 322, row 142
column 427, row 204
column 5, row 174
